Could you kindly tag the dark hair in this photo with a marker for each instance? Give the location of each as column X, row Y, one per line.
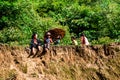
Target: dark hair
column 73, row 37
column 33, row 35
column 82, row 34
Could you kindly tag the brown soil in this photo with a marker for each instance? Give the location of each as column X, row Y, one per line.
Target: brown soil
column 100, row 62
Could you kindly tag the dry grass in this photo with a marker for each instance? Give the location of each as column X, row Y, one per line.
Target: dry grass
column 67, row 66
column 7, row 74
column 23, row 68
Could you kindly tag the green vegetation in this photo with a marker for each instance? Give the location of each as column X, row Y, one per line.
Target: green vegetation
column 8, row 75
column 23, row 68
column 96, row 18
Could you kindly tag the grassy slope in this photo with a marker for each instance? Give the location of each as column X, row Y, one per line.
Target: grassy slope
column 62, row 63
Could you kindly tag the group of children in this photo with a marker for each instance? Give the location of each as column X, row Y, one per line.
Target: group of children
column 36, row 44
column 83, row 40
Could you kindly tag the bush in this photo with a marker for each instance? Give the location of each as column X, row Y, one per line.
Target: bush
column 20, row 18
column 103, row 40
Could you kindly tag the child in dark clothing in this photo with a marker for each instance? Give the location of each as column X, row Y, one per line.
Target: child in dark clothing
column 35, row 44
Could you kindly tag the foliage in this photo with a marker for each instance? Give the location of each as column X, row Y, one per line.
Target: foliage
column 96, row 18
column 8, row 14
column 103, row 40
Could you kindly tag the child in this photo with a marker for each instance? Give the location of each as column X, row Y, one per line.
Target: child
column 57, row 41
column 74, row 42
column 35, row 44
column 84, row 40
column 47, row 42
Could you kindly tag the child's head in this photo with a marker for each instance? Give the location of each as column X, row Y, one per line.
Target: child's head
column 48, row 33
column 82, row 34
column 34, row 36
column 59, row 37
column 48, row 36
column 73, row 38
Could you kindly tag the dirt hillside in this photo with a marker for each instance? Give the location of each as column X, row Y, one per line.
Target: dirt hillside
column 100, row 62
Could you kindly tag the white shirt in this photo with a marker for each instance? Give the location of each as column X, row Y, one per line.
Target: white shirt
column 86, row 41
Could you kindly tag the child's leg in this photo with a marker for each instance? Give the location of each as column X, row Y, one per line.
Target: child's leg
column 39, row 51
column 32, row 52
column 39, row 48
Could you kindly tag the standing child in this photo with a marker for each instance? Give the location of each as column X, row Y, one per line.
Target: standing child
column 74, row 42
column 84, row 40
